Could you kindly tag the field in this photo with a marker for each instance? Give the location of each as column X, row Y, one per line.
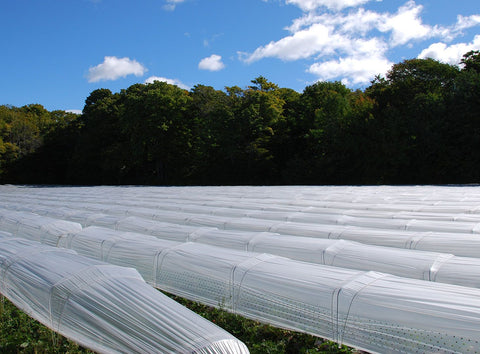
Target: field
column 21, row 334
column 379, row 268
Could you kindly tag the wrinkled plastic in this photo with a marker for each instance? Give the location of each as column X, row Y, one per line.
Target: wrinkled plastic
column 370, row 310
column 97, row 243
column 325, row 301
column 103, row 307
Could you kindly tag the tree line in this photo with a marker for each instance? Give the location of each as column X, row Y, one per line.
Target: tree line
column 420, row 124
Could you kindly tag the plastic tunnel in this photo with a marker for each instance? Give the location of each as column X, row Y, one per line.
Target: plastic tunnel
column 103, row 307
column 313, row 259
column 431, row 266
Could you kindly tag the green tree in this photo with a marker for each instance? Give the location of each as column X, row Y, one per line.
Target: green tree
column 38, row 115
column 462, row 132
column 212, row 135
column 29, row 149
column 8, row 154
column 97, row 157
column 471, row 61
column 287, row 143
column 410, row 120
column 257, row 119
column 326, row 106
column 159, row 132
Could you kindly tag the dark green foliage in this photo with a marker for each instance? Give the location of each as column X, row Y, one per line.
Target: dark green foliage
column 157, row 132
column 419, row 124
column 95, row 155
column 421, row 131
column 471, row 61
column 35, row 145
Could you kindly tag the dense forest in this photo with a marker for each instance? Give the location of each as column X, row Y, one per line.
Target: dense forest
column 420, row 124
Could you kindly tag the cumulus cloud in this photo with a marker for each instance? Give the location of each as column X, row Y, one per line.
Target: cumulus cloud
column 456, row 30
column 406, row 25
column 318, row 39
column 353, row 44
column 464, row 22
column 114, row 68
column 363, row 60
column 176, row 82
column 450, row 54
column 211, row 63
column 323, row 37
column 172, row 4
column 357, row 23
column 353, row 70
column 309, row 5
column 302, row 44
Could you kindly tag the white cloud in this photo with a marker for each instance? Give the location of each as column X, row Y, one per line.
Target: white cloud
column 403, row 26
column 356, row 24
column 211, row 63
column 450, row 54
column 354, row 44
column 353, row 70
column 114, row 68
column 331, row 35
column 463, row 22
column 300, row 45
column 364, row 60
column 310, row 5
column 319, row 40
column 75, row 111
column 467, row 22
column 176, row 82
column 406, row 25
column 172, row 4
column 303, row 22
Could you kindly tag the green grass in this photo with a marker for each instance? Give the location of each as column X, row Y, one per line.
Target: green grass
column 21, row 334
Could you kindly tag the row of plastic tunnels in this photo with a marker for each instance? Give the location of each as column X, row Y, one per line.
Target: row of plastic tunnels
column 382, row 269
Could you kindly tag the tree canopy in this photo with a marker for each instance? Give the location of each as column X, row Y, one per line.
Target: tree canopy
column 418, row 124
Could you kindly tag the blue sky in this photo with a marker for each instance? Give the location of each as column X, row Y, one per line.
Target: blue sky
column 55, row 52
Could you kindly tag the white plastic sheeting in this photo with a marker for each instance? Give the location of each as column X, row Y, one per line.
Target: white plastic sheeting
column 103, row 307
column 364, row 309
column 418, row 200
column 456, row 237
column 431, row 266
column 4, row 234
column 36, row 227
column 460, row 244
column 373, row 311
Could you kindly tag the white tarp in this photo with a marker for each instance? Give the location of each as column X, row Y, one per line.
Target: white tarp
column 103, row 307
column 370, row 310
column 330, row 302
column 458, row 243
column 419, row 199
column 432, row 266
column 326, row 301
